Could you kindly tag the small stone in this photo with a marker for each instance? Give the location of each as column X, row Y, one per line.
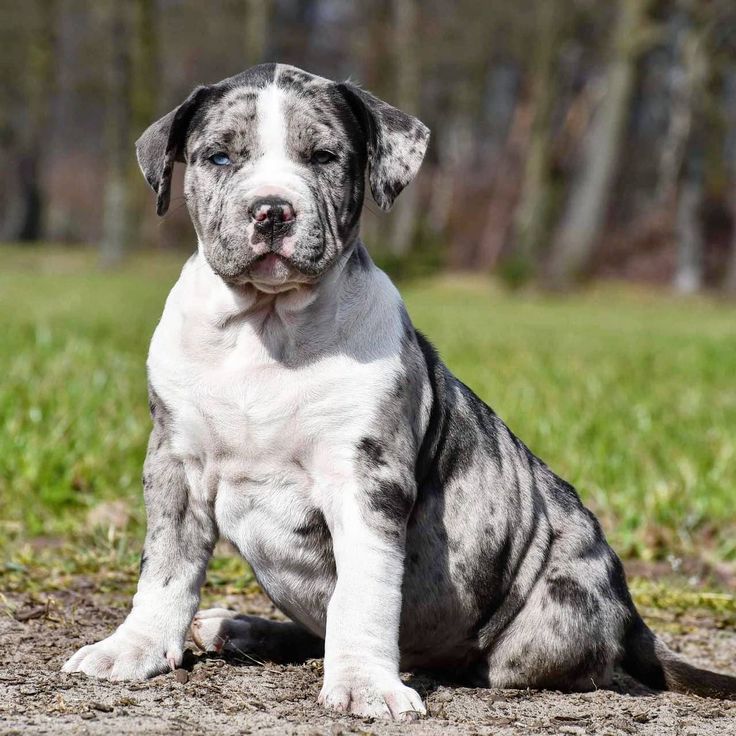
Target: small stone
column 87, row 716
column 181, row 676
column 103, row 707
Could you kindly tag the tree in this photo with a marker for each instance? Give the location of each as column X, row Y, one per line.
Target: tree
column 116, row 223
column 406, row 55
column 40, row 83
column 584, row 216
column 257, row 18
column 533, row 212
column 729, row 283
column 689, row 98
column 144, row 68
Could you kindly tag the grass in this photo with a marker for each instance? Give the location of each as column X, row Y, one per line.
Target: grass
column 628, row 394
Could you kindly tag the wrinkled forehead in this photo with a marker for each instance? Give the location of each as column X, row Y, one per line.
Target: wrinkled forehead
column 275, row 99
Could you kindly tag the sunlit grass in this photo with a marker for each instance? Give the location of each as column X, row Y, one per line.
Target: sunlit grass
column 628, row 394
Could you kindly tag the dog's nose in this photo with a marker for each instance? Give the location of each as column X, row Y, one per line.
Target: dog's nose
column 270, row 213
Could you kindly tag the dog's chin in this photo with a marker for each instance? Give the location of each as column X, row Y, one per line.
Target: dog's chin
column 273, row 273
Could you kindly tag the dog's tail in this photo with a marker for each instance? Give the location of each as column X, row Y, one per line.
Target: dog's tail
column 648, row 659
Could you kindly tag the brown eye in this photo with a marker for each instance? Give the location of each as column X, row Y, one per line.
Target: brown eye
column 322, row 157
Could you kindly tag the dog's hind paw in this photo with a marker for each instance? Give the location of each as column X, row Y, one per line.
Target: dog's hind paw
column 212, row 628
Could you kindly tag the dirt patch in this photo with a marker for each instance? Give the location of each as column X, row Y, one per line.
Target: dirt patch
column 214, row 696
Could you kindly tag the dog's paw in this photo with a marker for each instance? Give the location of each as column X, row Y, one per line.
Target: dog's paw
column 125, row 655
column 372, row 697
column 212, row 628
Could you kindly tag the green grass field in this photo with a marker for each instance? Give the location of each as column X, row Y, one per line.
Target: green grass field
column 629, row 395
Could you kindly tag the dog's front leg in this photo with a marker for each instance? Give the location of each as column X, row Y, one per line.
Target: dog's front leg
column 179, row 541
column 368, row 530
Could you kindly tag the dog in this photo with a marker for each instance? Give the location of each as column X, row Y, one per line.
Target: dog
column 297, row 412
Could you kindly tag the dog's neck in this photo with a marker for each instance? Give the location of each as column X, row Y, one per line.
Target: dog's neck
column 294, row 320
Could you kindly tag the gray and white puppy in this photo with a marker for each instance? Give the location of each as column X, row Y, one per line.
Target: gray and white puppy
column 297, row 413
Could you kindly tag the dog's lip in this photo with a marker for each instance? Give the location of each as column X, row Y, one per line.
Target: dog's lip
column 272, row 272
column 270, row 258
column 271, row 266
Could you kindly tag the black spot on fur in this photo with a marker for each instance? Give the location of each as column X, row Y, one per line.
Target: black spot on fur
column 372, row 451
column 565, row 495
column 461, row 426
column 316, row 536
column 617, row 580
column 315, row 530
column 391, row 500
column 425, row 471
column 566, row 591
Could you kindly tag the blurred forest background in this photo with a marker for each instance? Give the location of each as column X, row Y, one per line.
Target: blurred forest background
column 571, row 138
column 573, row 141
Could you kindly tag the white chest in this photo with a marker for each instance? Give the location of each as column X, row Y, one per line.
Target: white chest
column 249, row 413
column 266, row 442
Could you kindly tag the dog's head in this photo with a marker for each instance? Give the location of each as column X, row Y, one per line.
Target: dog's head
column 275, row 169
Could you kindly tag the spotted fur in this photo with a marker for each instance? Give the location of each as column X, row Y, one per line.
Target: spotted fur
column 384, row 507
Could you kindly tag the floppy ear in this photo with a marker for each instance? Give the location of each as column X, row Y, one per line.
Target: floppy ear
column 397, row 143
column 163, row 143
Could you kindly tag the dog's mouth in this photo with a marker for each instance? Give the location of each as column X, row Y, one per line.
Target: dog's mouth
column 270, row 266
column 274, row 270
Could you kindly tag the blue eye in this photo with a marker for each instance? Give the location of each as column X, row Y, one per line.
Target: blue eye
column 220, row 159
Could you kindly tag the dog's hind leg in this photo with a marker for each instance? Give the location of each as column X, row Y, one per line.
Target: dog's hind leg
column 253, row 638
column 568, row 634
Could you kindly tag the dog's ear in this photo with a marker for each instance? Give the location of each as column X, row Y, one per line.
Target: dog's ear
column 396, row 143
column 163, row 143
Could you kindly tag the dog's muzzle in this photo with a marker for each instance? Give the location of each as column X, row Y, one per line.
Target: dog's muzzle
column 272, row 216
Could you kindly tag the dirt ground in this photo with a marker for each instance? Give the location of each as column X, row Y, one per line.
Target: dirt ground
column 214, row 696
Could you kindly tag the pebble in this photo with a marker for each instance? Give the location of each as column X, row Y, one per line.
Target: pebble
column 181, row 676
column 103, row 707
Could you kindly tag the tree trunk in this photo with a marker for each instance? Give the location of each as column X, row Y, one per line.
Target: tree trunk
column 145, row 60
column 584, row 217
column 729, row 283
column 116, row 224
column 505, row 195
column 145, row 64
column 532, row 214
column 674, row 145
column 689, row 273
column 406, row 66
column 40, row 89
column 257, row 16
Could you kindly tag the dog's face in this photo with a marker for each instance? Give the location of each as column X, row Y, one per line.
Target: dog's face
column 275, row 169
